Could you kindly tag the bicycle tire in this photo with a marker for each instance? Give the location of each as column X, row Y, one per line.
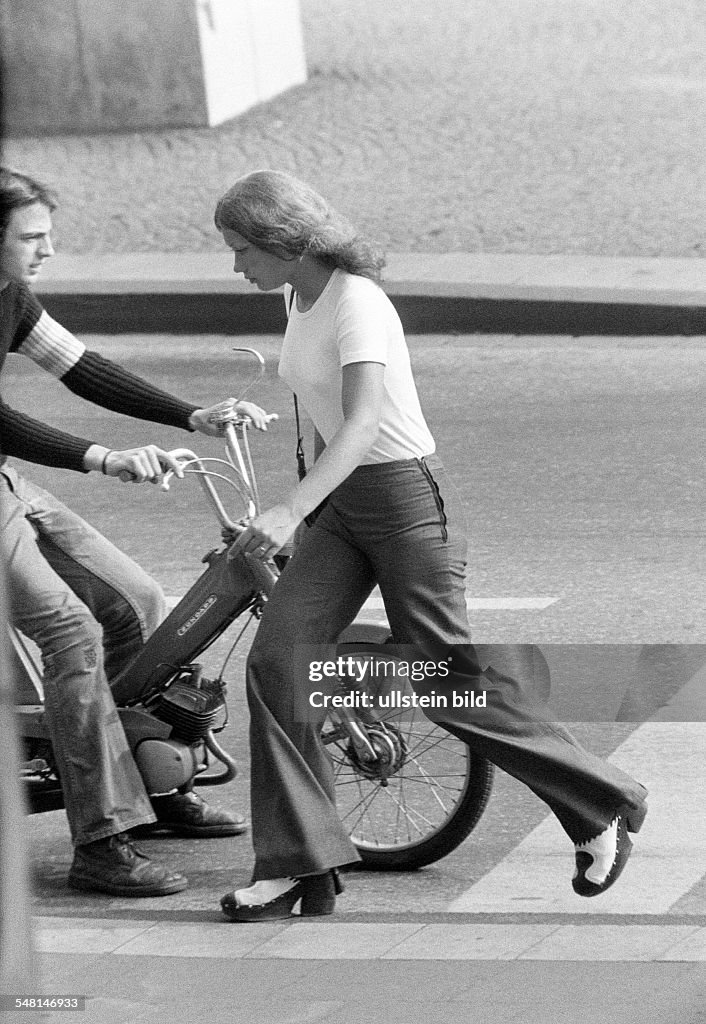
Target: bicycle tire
column 422, row 806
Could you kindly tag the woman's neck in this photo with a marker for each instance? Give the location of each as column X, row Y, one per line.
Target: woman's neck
column 309, row 280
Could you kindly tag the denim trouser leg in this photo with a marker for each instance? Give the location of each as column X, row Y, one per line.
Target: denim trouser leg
column 420, row 569
column 65, row 581
column 295, row 827
column 389, row 523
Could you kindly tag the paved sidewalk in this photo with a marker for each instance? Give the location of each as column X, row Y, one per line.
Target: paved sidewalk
column 350, row 973
column 539, row 168
column 392, row 937
column 463, row 125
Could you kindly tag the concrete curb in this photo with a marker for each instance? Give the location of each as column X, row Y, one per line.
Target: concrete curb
column 197, row 293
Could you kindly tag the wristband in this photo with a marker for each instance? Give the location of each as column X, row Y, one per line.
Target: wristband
column 105, row 459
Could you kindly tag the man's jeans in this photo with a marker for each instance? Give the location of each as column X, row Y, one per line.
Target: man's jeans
column 89, row 609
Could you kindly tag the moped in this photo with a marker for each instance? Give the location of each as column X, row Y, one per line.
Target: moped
column 407, row 790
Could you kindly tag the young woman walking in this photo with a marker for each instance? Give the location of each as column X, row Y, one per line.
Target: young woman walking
column 388, row 520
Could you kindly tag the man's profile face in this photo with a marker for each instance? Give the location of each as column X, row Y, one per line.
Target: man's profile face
column 26, row 244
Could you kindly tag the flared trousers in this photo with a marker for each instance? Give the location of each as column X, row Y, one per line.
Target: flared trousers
column 392, row 524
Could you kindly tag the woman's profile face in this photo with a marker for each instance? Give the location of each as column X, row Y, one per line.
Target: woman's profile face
column 259, row 267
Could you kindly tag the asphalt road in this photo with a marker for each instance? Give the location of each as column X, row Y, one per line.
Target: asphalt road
column 579, row 462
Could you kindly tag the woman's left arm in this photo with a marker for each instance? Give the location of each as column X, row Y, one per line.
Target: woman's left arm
column 361, row 397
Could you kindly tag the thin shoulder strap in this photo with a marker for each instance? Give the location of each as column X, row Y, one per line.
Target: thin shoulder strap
column 301, row 461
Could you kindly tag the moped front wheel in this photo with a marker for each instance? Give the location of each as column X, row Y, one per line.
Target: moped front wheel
column 417, row 800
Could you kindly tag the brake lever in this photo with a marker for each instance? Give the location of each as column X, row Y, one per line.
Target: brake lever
column 185, row 454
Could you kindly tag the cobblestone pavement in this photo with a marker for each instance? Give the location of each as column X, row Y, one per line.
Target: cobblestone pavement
column 522, row 126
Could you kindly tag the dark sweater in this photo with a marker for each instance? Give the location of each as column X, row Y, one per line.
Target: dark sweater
column 91, row 377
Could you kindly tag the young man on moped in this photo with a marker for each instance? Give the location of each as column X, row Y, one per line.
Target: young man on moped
column 86, row 605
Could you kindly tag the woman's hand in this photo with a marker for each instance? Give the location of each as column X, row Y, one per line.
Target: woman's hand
column 212, row 420
column 267, row 533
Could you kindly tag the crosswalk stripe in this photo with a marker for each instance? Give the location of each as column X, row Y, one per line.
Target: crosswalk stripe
column 486, row 603
column 375, row 603
column 670, row 855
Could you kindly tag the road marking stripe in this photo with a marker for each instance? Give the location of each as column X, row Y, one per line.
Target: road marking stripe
column 688, row 704
column 670, row 851
column 487, row 603
column 375, row 603
column 338, row 940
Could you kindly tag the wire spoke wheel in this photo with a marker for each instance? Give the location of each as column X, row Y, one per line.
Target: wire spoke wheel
column 417, row 800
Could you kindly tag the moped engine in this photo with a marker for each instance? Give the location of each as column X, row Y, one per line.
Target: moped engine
column 192, row 705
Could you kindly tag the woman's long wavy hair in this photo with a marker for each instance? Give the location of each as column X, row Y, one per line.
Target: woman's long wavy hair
column 283, row 216
column 18, row 190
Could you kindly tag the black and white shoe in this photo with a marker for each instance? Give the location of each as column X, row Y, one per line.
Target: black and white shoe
column 600, row 861
column 274, row 899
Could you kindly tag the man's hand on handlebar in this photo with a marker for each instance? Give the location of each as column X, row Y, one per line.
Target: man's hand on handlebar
column 137, row 465
column 212, row 420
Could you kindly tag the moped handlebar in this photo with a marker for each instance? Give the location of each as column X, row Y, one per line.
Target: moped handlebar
column 193, row 463
column 238, row 463
column 240, row 474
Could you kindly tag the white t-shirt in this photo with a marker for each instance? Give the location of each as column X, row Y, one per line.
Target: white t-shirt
column 353, row 321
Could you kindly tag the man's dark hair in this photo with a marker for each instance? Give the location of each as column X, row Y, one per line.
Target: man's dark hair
column 17, row 190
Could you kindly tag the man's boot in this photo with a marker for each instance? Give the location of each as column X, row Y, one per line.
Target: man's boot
column 114, row 866
column 188, row 814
